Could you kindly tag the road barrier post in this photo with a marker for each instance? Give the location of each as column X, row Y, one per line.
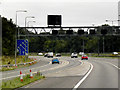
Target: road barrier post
column 21, row 76
column 24, row 64
column 31, row 76
column 16, row 65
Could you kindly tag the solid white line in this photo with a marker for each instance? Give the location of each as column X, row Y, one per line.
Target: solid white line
column 81, row 81
column 29, row 69
column 66, row 62
column 11, row 77
column 113, row 65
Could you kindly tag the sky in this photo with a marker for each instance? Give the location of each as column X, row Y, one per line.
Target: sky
column 74, row 12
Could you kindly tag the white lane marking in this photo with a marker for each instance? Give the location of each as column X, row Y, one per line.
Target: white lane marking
column 65, row 62
column 81, row 62
column 113, row 65
column 29, row 69
column 81, row 81
column 68, row 68
column 11, row 77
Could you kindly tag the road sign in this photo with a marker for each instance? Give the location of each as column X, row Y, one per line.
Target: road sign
column 22, row 47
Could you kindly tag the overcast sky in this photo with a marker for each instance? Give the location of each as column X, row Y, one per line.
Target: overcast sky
column 74, row 12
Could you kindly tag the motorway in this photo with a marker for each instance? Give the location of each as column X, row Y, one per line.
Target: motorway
column 72, row 73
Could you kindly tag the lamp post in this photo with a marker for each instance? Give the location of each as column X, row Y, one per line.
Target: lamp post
column 29, row 22
column 26, row 30
column 17, row 12
column 16, row 34
column 26, row 19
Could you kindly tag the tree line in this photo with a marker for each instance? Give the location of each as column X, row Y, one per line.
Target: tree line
column 90, row 44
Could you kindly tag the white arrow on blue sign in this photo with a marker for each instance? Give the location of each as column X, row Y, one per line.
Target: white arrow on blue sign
column 22, row 47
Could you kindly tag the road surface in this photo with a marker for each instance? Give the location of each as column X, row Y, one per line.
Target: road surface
column 71, row 71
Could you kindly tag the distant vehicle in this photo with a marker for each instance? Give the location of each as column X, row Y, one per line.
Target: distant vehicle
column 50, row 54
column 40, row 54
column 84, row 57
column 58, row 55
column 115, row 53
column 81, row 53
column 74, row 55
column 55, row 60
column 46, row 54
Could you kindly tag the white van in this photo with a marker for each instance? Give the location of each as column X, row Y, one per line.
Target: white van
column 50, row 54
column 74, row 55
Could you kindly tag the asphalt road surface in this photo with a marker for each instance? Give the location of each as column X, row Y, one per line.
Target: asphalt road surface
column 72, row 72
column 44, row 65
column 104, row 75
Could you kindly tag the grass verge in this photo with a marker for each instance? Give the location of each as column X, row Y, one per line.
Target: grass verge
column 16, row 83
column 11, row 59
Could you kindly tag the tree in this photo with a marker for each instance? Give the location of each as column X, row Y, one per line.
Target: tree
column 8, row 37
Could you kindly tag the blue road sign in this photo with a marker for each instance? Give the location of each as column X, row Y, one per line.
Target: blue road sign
column 22, row 47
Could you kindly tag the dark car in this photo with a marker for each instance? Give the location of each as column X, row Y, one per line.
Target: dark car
column 55, row 60
column 45, row 55
column 84, row 57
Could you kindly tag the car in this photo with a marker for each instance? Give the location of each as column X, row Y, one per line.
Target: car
column 115, row 53
column 74, row 55
column 84, row 57
column 40, row 54
column 81, row 53
column 45, row 55
column 55, row 60
column 50, row 54
column 58, row 55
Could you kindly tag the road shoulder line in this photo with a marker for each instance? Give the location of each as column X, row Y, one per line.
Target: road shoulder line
column 113, row 65
column 81, row 81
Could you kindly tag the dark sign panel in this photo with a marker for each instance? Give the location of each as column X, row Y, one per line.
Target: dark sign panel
column 54, row 32
column 92, row 31
column 80, row 31
column 54, row 20
column 69, row 32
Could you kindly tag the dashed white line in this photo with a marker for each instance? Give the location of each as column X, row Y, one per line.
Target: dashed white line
column 68, row 68
column 113, row 65
column 81, row 81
